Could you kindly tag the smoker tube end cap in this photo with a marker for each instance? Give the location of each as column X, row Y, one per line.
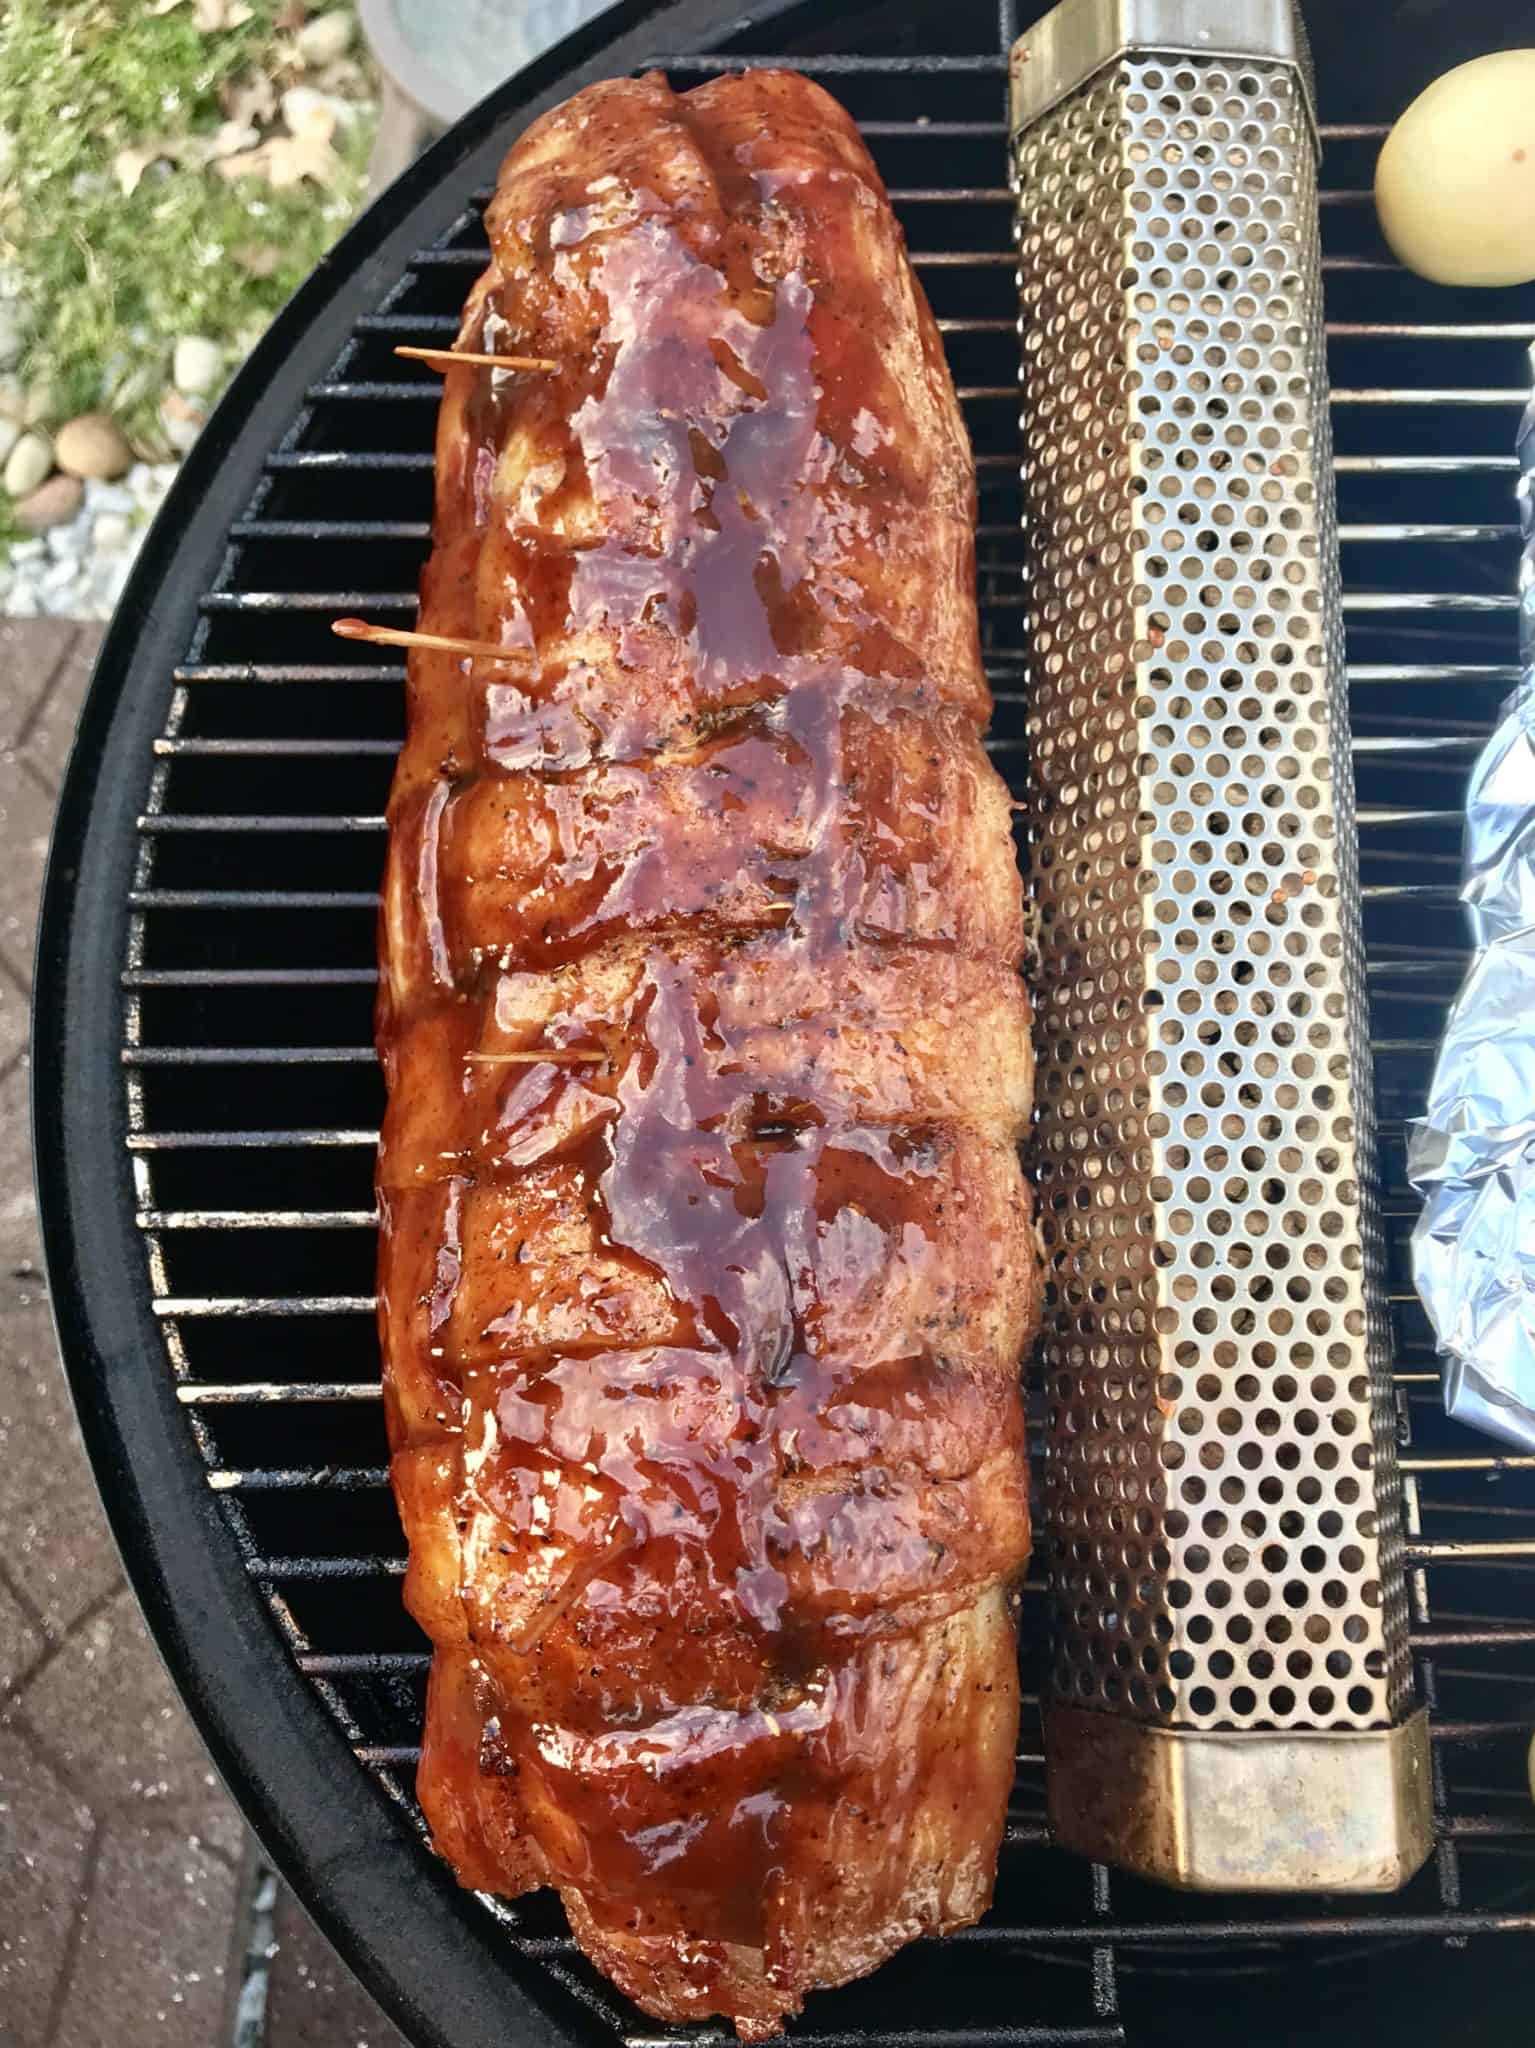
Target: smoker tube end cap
column 1347, row 1810
column 1078, row 38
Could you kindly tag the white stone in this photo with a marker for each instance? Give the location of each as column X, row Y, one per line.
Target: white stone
column 12, row 333
column 21, row 603
column 325, row 38
column 149, row 482
column 27, row 551
column 13, row 397
column 197, row 365
column 28, row 464
column 307, row 111
column 10, row 434
column 132, row 389
column 40, row 405
column 111, row 532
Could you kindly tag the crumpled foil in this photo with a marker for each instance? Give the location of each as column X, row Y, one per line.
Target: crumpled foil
column 1472, row 1154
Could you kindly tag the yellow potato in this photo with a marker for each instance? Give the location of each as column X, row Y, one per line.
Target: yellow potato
column 1455, row 185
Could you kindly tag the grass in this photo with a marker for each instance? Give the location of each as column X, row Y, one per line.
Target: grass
column 110, row 281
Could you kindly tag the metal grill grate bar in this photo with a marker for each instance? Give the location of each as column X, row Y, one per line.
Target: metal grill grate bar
column 264, row 1304
column 247, row 1055
column 1421, row 465
column 290, row 672
column 276, row 749
column 301, row 1479
column 280, row 1570
column 239, row 1393
column 1445, row 395
column 330, row 601
column 1128, row 1934
column 363, row 1663
column 255, row 1141
column 249, row 977
column 313, row 530
column 255, row 821
column 257, row 1219
column 254, row 899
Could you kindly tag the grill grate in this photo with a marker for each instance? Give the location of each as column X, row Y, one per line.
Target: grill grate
column 253, row 1094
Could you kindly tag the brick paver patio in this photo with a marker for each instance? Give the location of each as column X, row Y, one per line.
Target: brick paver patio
column 121, row 1855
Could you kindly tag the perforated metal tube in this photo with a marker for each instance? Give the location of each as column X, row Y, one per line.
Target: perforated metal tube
column 1232, row 1684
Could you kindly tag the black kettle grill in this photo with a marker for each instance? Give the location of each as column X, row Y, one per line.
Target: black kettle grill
column 207, row 1097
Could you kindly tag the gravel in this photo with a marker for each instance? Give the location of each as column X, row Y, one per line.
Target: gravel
column 81, row 524
column 77, row 571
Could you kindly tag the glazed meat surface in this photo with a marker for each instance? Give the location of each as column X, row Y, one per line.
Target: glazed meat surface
column 706, row 1258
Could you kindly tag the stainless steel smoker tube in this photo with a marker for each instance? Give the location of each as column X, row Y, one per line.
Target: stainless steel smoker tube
column 1231, row 1702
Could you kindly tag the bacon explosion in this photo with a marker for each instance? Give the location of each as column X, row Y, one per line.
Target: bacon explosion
column 706, row 1258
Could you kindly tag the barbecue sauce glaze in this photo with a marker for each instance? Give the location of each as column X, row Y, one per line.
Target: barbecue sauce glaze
column 706, row 1261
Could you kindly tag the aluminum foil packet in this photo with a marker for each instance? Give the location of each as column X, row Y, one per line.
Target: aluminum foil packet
column 1472, row 1154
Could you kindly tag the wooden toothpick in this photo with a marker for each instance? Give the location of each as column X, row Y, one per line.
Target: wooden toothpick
column 398, row 636
column 449, row 358
column 572, row 1057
